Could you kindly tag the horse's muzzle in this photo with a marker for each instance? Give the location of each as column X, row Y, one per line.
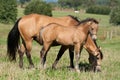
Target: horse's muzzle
column 94, row 37
column 97, row 69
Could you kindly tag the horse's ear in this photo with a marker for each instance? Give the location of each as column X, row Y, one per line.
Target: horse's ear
column 89, row 22
column 99, row 48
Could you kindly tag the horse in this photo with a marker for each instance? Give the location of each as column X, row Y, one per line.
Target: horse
column 74, row 36
column 91, row 47
column 28, row 28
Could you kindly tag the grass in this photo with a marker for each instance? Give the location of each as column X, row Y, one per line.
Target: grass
column 110, row 64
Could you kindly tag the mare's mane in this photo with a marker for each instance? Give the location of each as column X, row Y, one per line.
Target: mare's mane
column 75, row 18
column 88, row 19
column 101, row 55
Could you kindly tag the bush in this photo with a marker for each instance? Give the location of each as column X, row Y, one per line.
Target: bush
column 8, row 11
column 98, row 10
column 115, row 16
column 38, row 7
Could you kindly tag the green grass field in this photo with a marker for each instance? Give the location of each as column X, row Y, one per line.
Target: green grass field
column 110, row 64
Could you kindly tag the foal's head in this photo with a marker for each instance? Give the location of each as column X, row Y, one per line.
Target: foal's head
column 93, row 27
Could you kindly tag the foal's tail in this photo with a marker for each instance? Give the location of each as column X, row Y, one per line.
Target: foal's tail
column 13, row 41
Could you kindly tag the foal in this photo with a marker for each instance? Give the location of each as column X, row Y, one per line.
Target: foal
column 74, row 36
column 91, row 47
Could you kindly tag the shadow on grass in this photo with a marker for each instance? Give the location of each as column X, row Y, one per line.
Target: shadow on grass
column 83, row 66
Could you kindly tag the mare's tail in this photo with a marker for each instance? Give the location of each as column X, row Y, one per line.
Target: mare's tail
column 13, row 41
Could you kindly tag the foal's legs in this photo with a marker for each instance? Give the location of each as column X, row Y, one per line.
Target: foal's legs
column 61, row 51
column 44, row 51
column 71, row 54
column 77, row 49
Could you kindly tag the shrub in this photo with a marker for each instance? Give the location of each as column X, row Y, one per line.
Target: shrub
column 115, row 16
column 38, row 7
column 8, row 11
column 98, row 10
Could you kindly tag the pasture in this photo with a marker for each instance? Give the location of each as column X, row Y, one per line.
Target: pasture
column 110, row 63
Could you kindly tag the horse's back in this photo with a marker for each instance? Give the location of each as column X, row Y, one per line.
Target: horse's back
column 58, row 33
column 30, row 25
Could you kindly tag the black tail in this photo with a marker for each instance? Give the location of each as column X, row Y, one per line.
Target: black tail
column 13, row 41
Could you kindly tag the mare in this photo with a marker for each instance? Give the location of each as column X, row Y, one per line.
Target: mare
column 75, row 36
column 28, row 28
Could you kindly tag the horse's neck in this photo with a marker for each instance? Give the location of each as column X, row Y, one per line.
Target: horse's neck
column 90, row 45
column 84, row 28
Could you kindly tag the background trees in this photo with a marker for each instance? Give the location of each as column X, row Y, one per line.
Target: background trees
column 8, row 11
column 22, row 2
column 8, row 8
column 70, row 3
column 115, row 16
column 38, row 7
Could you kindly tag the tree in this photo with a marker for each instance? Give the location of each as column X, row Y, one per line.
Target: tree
column 115, row 16
column 38, row 7
column 8, row 11
column 22, row 2
column 70, row 3
column 114, row 3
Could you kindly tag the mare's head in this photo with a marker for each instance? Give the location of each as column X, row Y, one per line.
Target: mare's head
column 93, row 26
column 95, row 60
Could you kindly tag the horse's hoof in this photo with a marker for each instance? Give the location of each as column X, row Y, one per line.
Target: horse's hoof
column 72, row 67
column 30, row 66
column 97, row 69
column 53, row 67
column 77, row 70
column 21, row 66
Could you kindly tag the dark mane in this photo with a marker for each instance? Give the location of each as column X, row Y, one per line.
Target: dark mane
column 73, row 17
column 89, row 19
column 101, row 54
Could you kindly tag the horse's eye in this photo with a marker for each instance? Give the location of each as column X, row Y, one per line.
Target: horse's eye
column 92, row 29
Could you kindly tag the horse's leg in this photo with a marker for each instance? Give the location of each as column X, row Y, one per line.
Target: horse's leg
column 71, row 55
column 61, row 51
column 44, row 51
column 77, row 49
column 21, row 51
column 28, row 49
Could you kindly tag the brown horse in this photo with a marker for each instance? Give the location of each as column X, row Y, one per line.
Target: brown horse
column 74, row 36
column 91, row 47
column 28, row 27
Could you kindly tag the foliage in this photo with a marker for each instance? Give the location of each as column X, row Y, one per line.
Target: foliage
column 115, row 16
column 87, row 3
column 22, row 2
column 114, row 3
column 8, row 11
column 70, row 3
column 38, row 7
column 110, row 63
column 98, row 10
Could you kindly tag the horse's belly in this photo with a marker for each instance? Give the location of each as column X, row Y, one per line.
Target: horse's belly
column 64, row 41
